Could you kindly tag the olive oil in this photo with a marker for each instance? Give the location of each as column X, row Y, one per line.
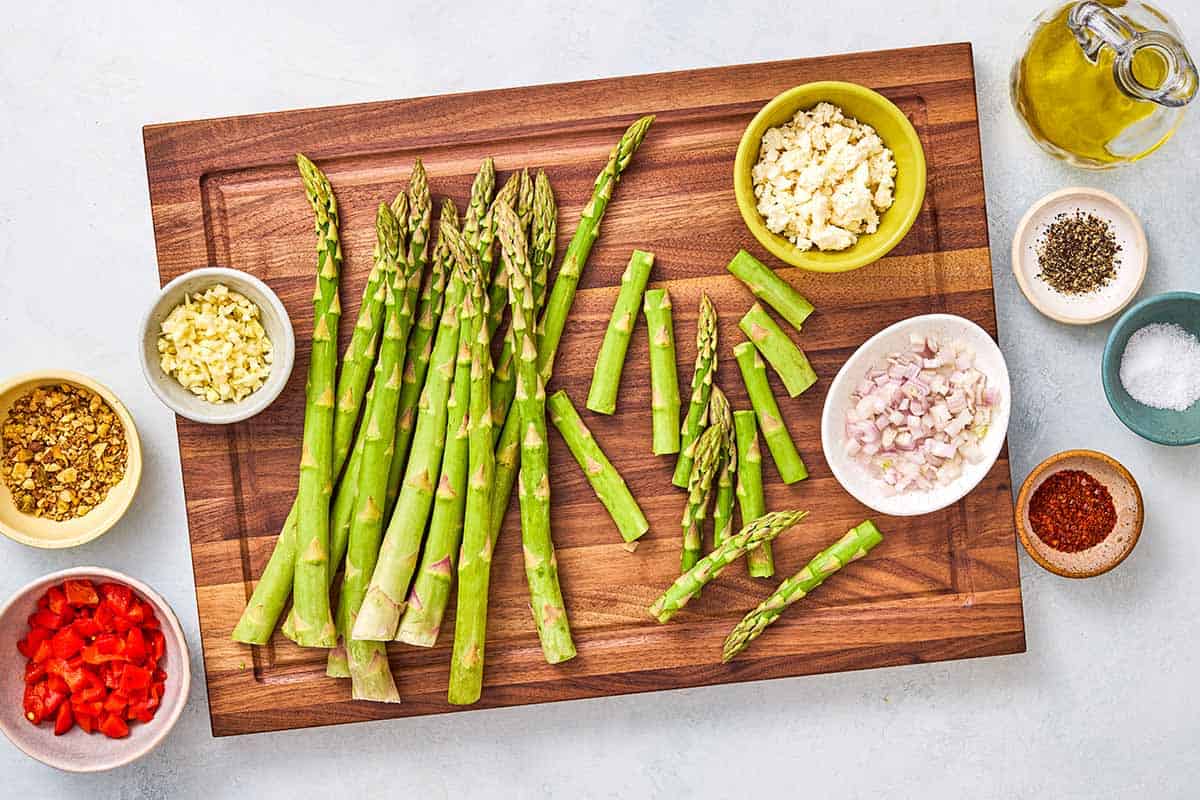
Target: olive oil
column 1074, row 103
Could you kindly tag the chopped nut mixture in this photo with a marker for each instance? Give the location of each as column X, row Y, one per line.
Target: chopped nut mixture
column 64, row 448
column 215, row 346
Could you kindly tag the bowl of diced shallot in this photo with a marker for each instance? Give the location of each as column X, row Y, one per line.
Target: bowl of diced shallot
column 917, row 416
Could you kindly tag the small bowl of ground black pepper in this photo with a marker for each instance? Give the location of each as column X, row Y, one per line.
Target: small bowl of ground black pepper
column 1079, row 513
column 1079, row 255
column 70, row 459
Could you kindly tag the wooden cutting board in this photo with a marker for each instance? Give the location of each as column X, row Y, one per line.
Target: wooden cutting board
column 942, row 586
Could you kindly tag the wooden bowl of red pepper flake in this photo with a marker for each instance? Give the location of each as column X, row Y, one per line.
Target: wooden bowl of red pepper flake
column 1079, row 513
column 94, row 669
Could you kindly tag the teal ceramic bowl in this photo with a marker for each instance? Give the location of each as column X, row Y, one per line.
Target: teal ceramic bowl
column 1158, row 425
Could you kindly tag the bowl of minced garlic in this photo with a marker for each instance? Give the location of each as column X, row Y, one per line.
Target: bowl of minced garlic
column 217, row 346
column 829, row 176
column 70, row 459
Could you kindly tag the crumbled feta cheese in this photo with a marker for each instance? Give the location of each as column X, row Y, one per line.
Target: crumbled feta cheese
column 215, row 346
column 823, row 179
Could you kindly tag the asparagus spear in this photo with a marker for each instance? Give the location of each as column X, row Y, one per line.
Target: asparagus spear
column 371, row 679
column 751, row 502
column 541, row 255
column 420, row 346
column 770, row 421
column 541, row 565
column 788, row 361
column 470, row 632
column 710, row 450
column 562, row 294
column 770, row 288
column 430, row 592
column 558, row 306
column 314, row 620
column 664, row 380
column 857, row 542
column 723, row 505
column 606, row 378
column 379, row 617
column 702, row 380
column 498, row 289
column 606, row 482
column 688, row 585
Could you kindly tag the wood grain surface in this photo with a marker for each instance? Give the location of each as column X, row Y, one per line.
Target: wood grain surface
column 941, row 586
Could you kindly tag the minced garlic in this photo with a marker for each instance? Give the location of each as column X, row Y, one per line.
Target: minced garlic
column 215, row 346
column 823, row 178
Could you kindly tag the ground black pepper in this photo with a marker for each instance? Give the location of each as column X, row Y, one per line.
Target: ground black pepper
column 1078, row 253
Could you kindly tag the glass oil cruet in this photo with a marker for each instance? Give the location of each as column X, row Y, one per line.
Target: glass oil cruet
column 1100, row 84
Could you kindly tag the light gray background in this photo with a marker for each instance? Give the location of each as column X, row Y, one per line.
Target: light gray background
column 1102, row 705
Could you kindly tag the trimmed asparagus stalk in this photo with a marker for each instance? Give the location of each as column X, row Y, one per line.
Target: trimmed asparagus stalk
column 558, row 307
column 751, row 502
column 379, row 617
column 723, row 504
column 314, row 619
column 482, row 189
column 606, row 482
column 664, row 380
column 770, row 421
column 541, row 565
column 688, row 585
column 702, row 381
column 606, row 378
column 770, row 288
column 498, row 288
column 370, row 677
column 788, row 361
column 562, row 294
column 422, row 620
column 710, row 451
column 857, row 542
column 420, row 347
column 470, row 632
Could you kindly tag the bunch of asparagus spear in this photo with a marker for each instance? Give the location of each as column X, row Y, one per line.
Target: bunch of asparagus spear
column 436, row 441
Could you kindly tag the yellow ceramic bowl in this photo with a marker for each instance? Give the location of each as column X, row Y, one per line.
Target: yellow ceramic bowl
column 897, row 133
column 47, row 533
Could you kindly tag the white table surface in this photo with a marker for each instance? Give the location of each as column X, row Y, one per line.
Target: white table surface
column 1103, row 704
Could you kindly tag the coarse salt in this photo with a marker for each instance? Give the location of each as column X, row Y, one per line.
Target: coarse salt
column 1160, row 366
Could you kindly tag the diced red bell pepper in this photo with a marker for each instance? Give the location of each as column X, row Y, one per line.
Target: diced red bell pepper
column 34, row 704
column 34, row 671
column 158, row 645
column 43, row 652
column 64, row 721
column 118, row 597
column 45, row 618
column 114, row 727
column 58, row 600
column 81, row 593
column 135, row 646
column 116, row 703
column 29, row 645
column 57, row 684
column 85, row 721
column 66, row 643
column 134, row 677
column 86, row 627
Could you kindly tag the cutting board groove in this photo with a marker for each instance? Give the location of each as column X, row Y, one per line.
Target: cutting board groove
column 942, row 586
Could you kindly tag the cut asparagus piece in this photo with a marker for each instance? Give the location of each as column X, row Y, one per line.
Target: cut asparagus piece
column 314, row 618
column 558, row 307
column 379, row 617
column 704, row 471
column 606, row 482
column 470, row 631
column 770, row 288
column 368, row 667
column 702, row 381
column 723, row 504
column 857, row 542
column 664, row 379
column 770, row 421
column 688, row 585
column 788, row 361
column 610, row 361
column 420, row 347
column 751, row 502
column 541, row 565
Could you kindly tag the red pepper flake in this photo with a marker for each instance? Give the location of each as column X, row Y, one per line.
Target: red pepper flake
column 1072, row 511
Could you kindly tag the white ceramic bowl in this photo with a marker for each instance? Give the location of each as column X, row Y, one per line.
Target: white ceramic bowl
column 1089, row 308
column 274, row 319
column 76, row 751
column 854, row 477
